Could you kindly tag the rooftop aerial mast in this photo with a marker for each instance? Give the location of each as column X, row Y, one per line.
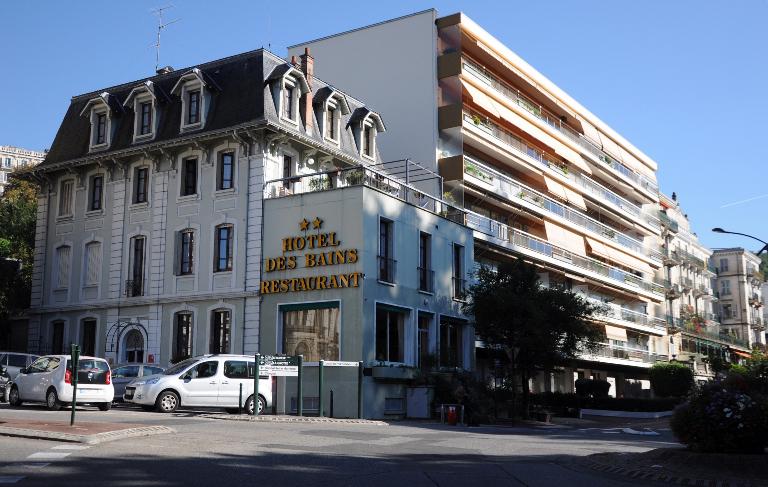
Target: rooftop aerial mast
column 160, row 26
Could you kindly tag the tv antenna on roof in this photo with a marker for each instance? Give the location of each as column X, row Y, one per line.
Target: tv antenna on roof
column 160, row 27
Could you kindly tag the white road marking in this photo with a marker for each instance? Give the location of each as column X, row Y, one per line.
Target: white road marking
column 48, row 455
column 34, row 465
column 71, row 447
column 10, row 479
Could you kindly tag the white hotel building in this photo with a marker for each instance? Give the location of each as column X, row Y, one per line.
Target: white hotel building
column 14, row 158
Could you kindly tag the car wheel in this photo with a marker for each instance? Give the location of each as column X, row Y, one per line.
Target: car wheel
column 52, row 401
column 249, row 405
column 167, row 402
column 14, row 398
column 105, row 406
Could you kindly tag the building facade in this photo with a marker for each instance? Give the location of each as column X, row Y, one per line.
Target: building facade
column 539, row 176
column 13, row 158
column 739, row 289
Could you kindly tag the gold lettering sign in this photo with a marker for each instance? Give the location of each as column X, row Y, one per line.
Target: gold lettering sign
column 319, row 250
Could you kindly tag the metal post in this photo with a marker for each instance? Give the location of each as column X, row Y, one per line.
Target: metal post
column 240, row 400
column 360, row 390
column 331, row 408
column 256, row 385
column 74, row 357
column 320, row 387
column 300, row 388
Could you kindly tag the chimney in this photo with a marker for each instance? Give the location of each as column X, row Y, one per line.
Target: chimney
column 165, row 70
column 308, row 68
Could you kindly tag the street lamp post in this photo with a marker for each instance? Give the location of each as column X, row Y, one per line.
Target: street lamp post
column 764, row 249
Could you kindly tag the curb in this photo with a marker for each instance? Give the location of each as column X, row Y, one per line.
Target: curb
column 662, row 477
column 292, row 419
column 86, row 439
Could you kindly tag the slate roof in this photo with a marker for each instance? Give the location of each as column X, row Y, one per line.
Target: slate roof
column 242, row 97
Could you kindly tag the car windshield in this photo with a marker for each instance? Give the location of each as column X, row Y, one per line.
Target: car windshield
column 180, row 367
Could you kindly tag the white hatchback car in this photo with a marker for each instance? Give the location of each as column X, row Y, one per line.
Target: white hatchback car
column 205, row 381
column 49, row 380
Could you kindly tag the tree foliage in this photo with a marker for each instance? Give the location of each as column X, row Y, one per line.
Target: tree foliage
column 537, row 327
column 671, row 379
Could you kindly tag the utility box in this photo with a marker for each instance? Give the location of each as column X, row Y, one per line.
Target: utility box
column 418, row 401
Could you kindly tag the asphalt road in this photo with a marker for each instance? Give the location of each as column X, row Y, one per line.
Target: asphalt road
column 208, row 452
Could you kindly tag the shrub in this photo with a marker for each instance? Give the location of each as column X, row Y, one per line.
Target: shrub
column 671, row 379
column 592, row 387
column 718, row 419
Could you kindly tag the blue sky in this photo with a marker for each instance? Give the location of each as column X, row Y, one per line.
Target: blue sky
column 684, row 80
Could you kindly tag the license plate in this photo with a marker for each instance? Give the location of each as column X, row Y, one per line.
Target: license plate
column 85, row 392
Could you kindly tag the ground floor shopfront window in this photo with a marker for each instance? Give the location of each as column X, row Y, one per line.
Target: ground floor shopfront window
column 311, row 330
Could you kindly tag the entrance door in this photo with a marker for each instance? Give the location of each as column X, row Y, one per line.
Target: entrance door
column 134, row 347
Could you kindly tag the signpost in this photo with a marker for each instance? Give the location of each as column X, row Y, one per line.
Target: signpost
column 280, row 365
column 74, row 357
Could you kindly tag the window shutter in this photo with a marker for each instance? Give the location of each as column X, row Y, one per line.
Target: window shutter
column 63, row 276
column 177, row 254
column 93, row 263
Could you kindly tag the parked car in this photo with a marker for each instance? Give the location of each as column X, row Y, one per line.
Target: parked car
column 5, row 381
column 204, row 381
column 49, row 380
column 123, row 374
column 14, row 362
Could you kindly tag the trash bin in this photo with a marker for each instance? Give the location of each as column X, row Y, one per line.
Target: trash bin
column 452, row 416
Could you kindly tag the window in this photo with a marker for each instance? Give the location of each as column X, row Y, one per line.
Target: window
column 450, row 343
column 368, row 135
column 88, row 339
column 728, row 311
column 223, row 251
column 330, row 123
column 725, row 287
column 7, row 162
column 203, row 370
column 423, row 344
column 65, row 197
column 311, row 330
column 128, row 371
column 140, row 185
column 723, row 265
column 92, row 263
column 57, row 337
column 63, row 254
column 97, row 192
column 183, row 348
column 226, row 171
column 186, row 252
column 189, row 177
column 100, row 133
column 426, row 275
column 289, row 91
column 193, row 107
column 145, row 122
column 459, row 283
column 238, row 369
column 135, row 286
column 390, row 335
column 221, row 331
column 386, row 263
column 2, row 176
column 287, row 170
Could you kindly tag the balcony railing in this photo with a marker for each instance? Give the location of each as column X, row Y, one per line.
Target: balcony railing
column 532, row 243
column 668, row 222
column 630, row 316
column 687, row 283
column 426, row 279
column 134, row 288
column 459, row 288
column 540, row 158
column 361, row 176
column 539, row 112
column 706, row 331
column 507, row 187
column 387, row 269
column 691, row 259
column 626, row 353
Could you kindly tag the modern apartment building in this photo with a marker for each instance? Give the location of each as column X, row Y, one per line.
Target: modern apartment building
column 158, row 196
column 539, row 176
column 739, row 289
column 695, row 330
column 12, row 158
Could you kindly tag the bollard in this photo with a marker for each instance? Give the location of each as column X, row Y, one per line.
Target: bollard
column 320, row 387
column 300, row 388
column 256, row 385
column 240, row 400
column 74, row 357
column 331, row 403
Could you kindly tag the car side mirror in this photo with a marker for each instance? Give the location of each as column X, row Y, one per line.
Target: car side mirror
column 22, row 370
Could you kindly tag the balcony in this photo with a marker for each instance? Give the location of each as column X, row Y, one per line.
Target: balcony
column 639, row 355
column 692, row 260
column 673, row 290
column 539, row 158
column 757, row 324
column 702, row 291
column 629, row 317
column 134, row 288
column 710, row 331
column 668, row 223
column 687, row 284
column 669, row 257
column 512, row 237
column 510, row 189
column 387, row 268
column 426, row 280
column 755, row 301
column 517, row 98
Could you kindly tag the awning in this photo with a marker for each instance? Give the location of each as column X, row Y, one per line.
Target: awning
column 635, row 164
column 618, row 256
column 581, row 164
column 741, row 354
column 556, row 188
column 523, row 124
column 566, row 239
column 575, row 198
column 611, row 147
column 616, row 333
column 590, row 131
column 571, row 156
column 480, row 99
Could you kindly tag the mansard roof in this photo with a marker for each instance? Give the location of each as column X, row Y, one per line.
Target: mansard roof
column 240, row 96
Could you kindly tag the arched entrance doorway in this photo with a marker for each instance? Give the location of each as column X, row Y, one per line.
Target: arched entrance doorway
column 134, row 347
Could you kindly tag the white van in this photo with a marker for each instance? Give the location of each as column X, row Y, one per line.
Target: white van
column 49, row 380
column 206, row 381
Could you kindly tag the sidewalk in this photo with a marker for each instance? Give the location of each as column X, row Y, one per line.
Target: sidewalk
column 291, row 419
column 81, row 432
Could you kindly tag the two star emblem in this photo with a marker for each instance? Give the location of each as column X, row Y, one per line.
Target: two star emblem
column 316, row 224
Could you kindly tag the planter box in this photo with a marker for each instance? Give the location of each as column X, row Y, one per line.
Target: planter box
column 402, row 373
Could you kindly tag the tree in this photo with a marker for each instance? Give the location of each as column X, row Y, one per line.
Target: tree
column 671, row 379
column 18, row 214
column 764, row 265
column 537, row 327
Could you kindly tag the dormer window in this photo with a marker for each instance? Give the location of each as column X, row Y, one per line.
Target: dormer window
column 332, row 122
column 193, row 107
column 368, row 140
column 100, row 111
column 331, row 105
column 143, row 100
column 287, row 84
column 146, row 118
column 366, row 125
column 100, row 134
column 194, row 88
column 290, row 100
